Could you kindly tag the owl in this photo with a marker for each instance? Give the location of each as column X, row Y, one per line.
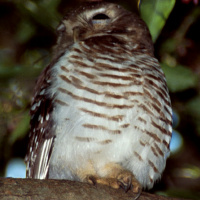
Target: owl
column 101, row 111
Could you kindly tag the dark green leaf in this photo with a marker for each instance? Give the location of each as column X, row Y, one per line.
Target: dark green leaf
column 179, row 78
column 155, row 14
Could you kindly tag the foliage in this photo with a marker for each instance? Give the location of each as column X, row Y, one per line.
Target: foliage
column 155, row 14
column 179, row 78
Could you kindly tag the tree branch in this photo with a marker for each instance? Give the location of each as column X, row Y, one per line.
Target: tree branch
column 22, row 189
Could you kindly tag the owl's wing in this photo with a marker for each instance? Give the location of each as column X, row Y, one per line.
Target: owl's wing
column 41, row 133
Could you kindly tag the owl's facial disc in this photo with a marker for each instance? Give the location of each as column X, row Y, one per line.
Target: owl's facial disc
column 98, row 20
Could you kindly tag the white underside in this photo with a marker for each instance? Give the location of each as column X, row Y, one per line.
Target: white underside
column 71, row 154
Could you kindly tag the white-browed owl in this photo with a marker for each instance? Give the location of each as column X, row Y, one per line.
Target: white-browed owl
column 101, row 112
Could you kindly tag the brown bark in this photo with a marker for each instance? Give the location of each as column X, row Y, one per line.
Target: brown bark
column 11, row 188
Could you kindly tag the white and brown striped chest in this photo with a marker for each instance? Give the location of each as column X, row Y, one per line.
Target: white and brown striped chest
column 110, row 109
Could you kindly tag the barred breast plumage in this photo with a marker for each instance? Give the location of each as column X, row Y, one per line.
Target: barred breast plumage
column 102, row 106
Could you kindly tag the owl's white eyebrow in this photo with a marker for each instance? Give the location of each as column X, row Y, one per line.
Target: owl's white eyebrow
column 92, row 12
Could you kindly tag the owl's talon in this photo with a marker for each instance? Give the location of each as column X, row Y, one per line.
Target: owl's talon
column 138, row 194
column 125, row 184
column 91, row 179
column 127, row 181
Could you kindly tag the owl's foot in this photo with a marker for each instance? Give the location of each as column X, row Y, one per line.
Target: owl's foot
column 111, row 182
column 112, row 175
column 124, row 180
column 127, row 181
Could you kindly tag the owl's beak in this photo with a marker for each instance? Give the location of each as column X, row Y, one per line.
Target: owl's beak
column 75, row 33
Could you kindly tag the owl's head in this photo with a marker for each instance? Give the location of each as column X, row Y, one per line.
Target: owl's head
column 100, row 19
